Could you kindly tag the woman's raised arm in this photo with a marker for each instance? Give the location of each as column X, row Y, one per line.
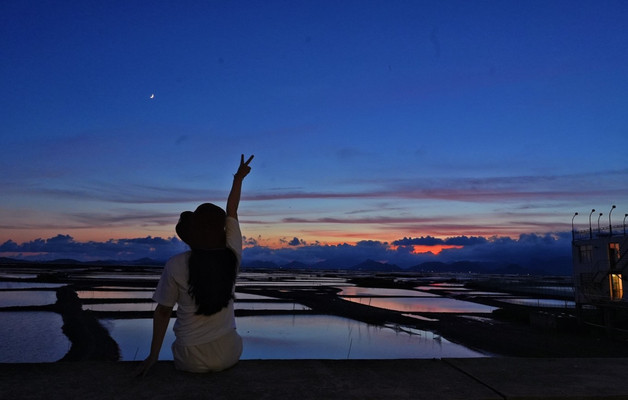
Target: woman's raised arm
column 233, row 201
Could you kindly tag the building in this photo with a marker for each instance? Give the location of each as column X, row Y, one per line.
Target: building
column 600, row 266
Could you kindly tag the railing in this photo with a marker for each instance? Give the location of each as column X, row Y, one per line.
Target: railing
column 605, row 231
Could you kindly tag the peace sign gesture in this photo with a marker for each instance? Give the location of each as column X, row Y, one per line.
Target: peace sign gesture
column 243, row 169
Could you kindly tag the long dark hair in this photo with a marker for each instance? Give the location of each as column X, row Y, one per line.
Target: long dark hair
column 212, row 276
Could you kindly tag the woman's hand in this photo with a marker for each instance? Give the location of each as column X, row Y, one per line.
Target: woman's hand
column 243, row 169
column 146, row 365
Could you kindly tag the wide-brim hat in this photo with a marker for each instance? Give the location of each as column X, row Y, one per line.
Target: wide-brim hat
column 204, row 228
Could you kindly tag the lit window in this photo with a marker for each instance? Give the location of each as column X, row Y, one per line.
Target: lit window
column 613, row 251
column 616, row 286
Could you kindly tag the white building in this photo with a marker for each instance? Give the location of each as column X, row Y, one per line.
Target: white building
column 600, row 266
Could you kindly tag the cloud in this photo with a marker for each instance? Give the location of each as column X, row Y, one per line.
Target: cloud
column 529, row 250
column 296, row 242
column 426, row 241
column 465, row 240
column 473, row 190
column 127, row 194
column 64, row 246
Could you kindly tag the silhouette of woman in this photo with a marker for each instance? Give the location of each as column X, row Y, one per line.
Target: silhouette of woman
column 202, row 282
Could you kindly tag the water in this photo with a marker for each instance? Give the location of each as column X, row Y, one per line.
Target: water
column 302, row 337
column 37, row 336
column 11, row 298
column 150, row 306
column 32, row 337
column 545, row 303
column 115, row 294
column 287, row 306
column 114, row 307
column 423, row 304
column 30, row 285
column 365, row 292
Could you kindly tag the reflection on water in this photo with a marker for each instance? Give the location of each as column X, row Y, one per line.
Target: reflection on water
column 32, row 337
column 249, row 296
column 365, row 292
column 125, row 277
column 487, row 294
column 17, row 276
column 11, row 298
column 37, row 336
column 288, row 283
column 422, row 304
column 114, row 294
column 270, row 306
column 29, row 285
column 443, row 287
column 133, row 337
column 302, row 337
column 121, row 307
column 546, row 303
column 150, row 306
column 290, row 277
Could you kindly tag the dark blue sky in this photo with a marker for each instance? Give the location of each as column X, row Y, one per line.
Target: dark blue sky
column 369, row 120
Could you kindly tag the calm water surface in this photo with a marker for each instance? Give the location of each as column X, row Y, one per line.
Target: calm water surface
column 422, row 304
column 115, row 294
column 32, row 337
column 29, row 285
column 302, row 337
column 11, row 298
column 37, row 336
column 365, row 292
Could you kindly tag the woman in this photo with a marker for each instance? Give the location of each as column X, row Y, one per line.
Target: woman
column 202, row 282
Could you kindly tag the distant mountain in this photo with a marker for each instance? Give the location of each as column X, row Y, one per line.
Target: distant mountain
column 70, row 261
column 329, row 265
column 6, row 260
column 66, row 261
column 259, row 264
column 295, row 265
column 375, row 266
column 559, row 266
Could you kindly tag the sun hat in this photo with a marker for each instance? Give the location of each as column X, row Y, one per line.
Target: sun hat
column 204, row 228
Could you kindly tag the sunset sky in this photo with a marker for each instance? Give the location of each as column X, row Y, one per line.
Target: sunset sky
column 370, row 121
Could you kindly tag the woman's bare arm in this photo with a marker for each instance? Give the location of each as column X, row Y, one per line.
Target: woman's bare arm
column 233, row 201
column 161, row 318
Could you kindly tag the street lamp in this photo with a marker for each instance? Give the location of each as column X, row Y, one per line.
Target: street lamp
column 598, row 223
column 590, row 230
column 610, row 226
column 573, row 233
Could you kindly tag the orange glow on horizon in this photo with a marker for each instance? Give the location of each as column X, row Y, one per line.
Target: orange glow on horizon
column 436, row 249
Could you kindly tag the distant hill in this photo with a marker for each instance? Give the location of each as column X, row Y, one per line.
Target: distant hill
column 375, row 266
column 295, row 265
column 70, row 261
column 551, row 267
column 6, row 260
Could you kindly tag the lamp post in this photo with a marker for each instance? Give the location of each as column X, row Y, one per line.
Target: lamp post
column 625, row 215
column 591, row 230
column 573, row 233
column 610, row 226
column 598, row 223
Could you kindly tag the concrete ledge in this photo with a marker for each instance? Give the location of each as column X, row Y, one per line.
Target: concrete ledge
column 484, row 378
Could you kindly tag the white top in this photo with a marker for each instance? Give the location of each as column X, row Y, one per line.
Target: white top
column 191, row 329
